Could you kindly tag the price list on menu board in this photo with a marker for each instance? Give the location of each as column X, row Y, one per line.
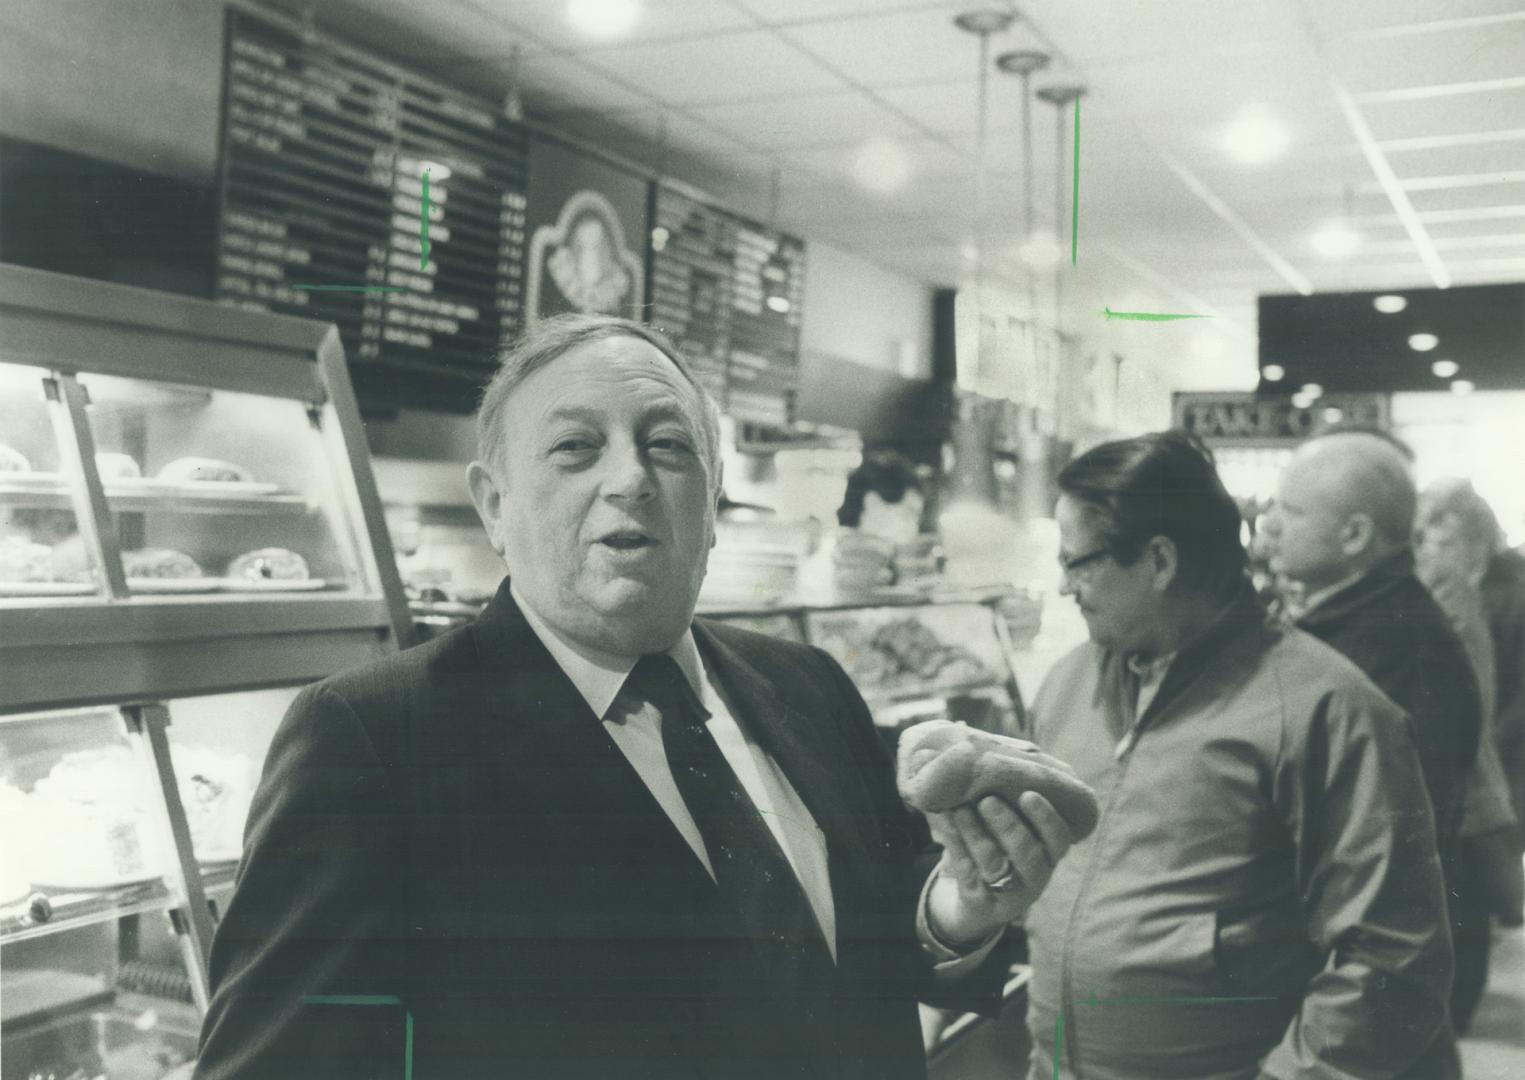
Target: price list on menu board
column 331, row 159
column 729, row 292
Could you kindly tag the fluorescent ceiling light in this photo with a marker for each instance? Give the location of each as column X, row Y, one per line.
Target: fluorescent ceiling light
column 1423, row 342
column 1462, row 386
column 779, row 304
column 1336, row 240
column 1445, row 368
column 604, row 19
column 1273, row 373
column 881, row 165
column 1390, row 304
column 1256, row 136
column 1301, row 401
column 1312, row 390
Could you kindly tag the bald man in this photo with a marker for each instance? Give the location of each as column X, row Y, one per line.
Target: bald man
column 1342, row 529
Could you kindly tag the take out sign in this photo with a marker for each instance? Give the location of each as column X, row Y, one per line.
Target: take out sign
column 1246, row 419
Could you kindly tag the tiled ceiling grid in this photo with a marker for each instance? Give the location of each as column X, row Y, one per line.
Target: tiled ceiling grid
column 767, row 102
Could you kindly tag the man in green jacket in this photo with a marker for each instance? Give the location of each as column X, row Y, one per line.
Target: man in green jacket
column 1262, row 896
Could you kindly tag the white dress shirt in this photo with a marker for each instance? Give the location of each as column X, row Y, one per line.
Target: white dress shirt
column 636, row 728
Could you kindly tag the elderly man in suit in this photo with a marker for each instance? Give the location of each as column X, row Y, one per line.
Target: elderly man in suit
column 589, row 835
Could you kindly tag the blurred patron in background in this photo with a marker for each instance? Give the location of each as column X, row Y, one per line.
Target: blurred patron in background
column 1262, row 897
column 881, row 542
column 1342, row 528
column 1455, row 545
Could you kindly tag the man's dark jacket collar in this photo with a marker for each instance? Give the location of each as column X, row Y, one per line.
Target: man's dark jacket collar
column 1387, row 575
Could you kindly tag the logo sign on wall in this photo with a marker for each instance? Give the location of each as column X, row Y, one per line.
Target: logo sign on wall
column 583, row 257
column 587, row 226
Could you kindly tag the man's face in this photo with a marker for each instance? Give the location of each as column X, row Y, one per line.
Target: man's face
column 1119, row 603
column 1303, row 530
column 600, row 498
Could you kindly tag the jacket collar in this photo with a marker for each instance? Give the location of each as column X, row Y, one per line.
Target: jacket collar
column 599, row 677
column 541, row 704
column 1242, row 615
column 1381, row 578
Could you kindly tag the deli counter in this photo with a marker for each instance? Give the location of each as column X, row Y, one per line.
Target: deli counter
column 189, row 532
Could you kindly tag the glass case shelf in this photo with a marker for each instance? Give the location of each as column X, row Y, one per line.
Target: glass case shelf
column 43, row 913
column 52, row 493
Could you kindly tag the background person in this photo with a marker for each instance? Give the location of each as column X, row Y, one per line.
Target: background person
column 1264, row 831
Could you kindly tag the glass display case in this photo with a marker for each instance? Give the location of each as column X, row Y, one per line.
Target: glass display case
column 189, row 533
column 938, row 656
column 185, row 498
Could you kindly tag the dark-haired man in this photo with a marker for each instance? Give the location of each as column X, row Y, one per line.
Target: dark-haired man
column 1261, row 896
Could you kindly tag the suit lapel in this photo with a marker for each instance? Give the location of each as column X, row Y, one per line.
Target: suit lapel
column 797, row 743
column 562, row 754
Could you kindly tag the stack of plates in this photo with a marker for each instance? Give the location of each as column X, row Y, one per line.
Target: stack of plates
column 747, row 578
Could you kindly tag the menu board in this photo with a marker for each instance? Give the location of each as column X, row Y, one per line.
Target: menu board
column 729, row 292
column 329, row 158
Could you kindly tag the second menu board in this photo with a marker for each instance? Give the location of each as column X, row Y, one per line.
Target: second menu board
column 729, row 293
column 326, row 153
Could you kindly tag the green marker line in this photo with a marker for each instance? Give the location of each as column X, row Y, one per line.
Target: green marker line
column 375, row 999
column 423, row 227
column 1146, row 316
column 407, row 1067
column 351, row 288
column 1075, row 192
column 1058, row 1042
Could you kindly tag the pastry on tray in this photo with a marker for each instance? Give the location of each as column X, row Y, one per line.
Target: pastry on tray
column 200, row 470
column 13, row 460
column 942, row 765
column 25, row 562
column 268, row 564
column 93, row 811
column 113, row 466
column 159, row 563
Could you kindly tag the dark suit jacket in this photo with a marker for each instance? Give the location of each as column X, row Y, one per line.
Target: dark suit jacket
column 1390, row 626
column 454, row 828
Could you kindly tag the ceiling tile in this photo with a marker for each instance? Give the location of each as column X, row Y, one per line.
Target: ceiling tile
column 1459, row 56
column 557, row 83
column 736, row 67
column 836, row 119
column 1364, row 17
column 780, row 12
column 903, row 47
column 1180, row 28
column 1493, row 110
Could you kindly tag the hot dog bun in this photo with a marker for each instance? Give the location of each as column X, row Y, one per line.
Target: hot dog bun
column 943, row 765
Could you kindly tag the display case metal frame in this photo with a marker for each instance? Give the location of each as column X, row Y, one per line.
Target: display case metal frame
column 113, row 646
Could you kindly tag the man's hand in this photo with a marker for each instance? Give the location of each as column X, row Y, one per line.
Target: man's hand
column 996, row 861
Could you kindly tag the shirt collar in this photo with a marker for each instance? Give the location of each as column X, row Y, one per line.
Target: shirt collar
column 598, row 676
column 1149, row 671
column 1329, row 592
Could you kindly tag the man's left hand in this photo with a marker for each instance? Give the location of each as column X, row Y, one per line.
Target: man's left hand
column 996, row 861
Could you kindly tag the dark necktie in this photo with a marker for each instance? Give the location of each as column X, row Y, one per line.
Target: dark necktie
column 754, row 876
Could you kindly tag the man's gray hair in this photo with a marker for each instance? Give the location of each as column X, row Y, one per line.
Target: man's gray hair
column 550, row 339
column 1474, row 517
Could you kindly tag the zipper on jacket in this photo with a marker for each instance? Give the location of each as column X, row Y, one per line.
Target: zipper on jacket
column 1066, row 985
